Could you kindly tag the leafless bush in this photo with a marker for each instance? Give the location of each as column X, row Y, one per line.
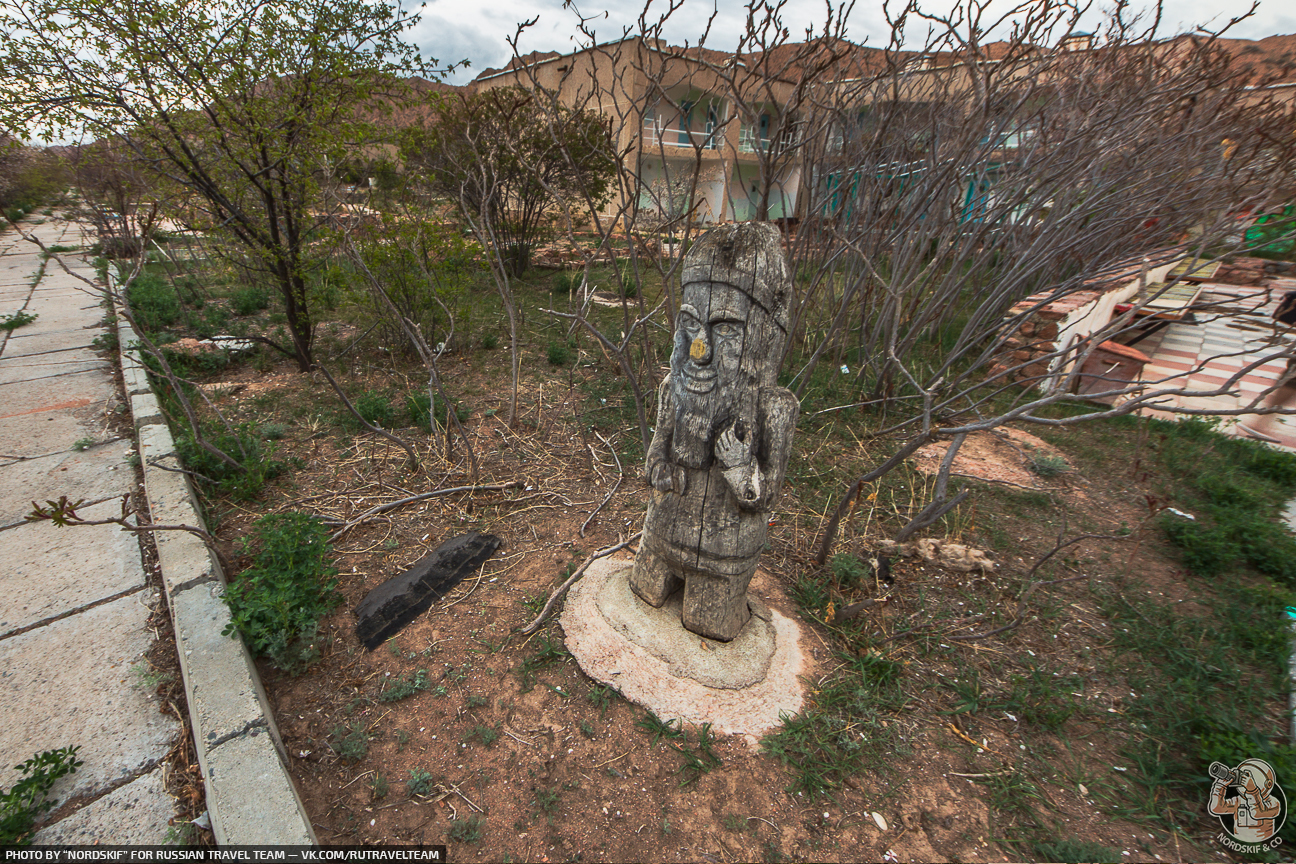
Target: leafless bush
column 927, row 188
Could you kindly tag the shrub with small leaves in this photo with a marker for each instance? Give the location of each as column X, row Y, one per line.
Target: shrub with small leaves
column 466, row 830
column 154, row 302
column 350, row 743
column 1047, row 465
column 375, row 408
column 403, row 688
column 21, row 804
column 14, row 320
column 276, row 604
column 559, row 353
column 250, row 300
column 419, row 782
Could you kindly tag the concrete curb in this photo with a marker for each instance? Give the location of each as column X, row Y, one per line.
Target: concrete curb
column 250, row 796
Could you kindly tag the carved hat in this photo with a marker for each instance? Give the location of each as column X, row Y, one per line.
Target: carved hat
column 748, row 257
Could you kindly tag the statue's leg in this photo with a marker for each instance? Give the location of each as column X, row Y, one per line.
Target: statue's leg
column 716, row 606
column 652, row 578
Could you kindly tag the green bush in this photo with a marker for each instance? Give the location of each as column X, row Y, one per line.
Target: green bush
column 14, row 320
column 189, row 364
column 26, row 800
column 250, row 300
column 277, row 603
column 560, row 353
column 154, row 302
column 245, row 445
column 377, row 409
column 418, row 407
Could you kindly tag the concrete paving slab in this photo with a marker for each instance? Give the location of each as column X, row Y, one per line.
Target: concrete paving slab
column 70, row 683
column 59, row 313
column 51, row 571
column 20, row 344
column 73, row 390
column 35, row 367
column 135, row 814
column 61, row 429
column 14, row 293
column 91, row 474
column 14, row 268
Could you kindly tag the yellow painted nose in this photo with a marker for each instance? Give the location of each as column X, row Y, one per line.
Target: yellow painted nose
column 698, row 349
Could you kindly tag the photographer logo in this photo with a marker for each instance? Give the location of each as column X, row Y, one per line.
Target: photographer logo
column 1249, row 803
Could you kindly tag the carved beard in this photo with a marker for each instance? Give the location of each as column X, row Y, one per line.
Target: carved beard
column 700, row 417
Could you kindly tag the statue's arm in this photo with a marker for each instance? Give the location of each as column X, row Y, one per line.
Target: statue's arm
column 780, row 409
column 658, row 466
column 755, row 470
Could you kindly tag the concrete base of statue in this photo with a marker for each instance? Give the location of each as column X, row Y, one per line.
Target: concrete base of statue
column 741, row 687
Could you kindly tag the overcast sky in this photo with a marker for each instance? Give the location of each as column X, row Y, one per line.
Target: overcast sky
column 475, row 30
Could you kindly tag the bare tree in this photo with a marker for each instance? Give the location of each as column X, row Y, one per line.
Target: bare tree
column 938, row 195
column 504, row 157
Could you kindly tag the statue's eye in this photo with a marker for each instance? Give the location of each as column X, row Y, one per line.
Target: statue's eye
column 727, row 329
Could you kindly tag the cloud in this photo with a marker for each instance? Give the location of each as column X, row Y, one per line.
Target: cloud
column 477, row 30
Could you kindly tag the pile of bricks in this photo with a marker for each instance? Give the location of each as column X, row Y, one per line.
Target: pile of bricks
column 1024, row 353
column 1252, row 271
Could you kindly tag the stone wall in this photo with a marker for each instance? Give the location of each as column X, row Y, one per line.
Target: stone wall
column 1034, row 335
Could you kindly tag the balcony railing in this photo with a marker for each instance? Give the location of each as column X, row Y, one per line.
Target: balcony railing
column 655, row 135
column 750, row 142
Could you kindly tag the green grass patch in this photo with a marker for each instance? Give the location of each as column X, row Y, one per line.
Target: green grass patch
column 153, row 301
column 1076, row 851
column 842, row 731
column 1203, row 682
column 403, row 688
column 1234, row 487
column 548, row 652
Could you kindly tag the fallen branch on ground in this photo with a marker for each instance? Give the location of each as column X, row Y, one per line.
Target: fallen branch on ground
column 391, row 505
column 608, row 497
column 571, row 580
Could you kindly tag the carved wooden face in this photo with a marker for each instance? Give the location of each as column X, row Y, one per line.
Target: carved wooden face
column 711, row 333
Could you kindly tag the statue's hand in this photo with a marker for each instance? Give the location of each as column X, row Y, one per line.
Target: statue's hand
column 733, row 448
column 659, row 475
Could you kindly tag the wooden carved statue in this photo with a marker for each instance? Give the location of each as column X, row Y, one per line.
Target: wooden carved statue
column 724, row 431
